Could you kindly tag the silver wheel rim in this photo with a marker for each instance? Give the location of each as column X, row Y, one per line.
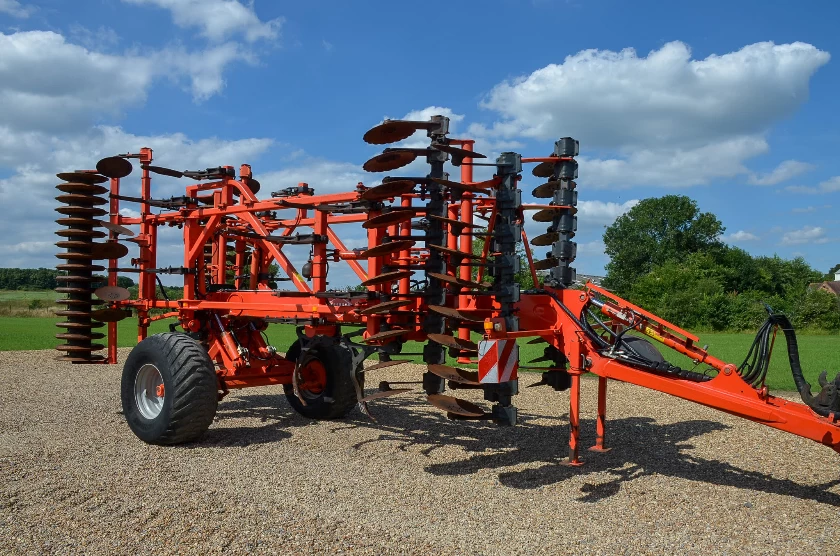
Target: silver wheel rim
column 146, row 386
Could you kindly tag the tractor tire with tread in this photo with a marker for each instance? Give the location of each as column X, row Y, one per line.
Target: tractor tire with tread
column 338, row 396
column 189, row 386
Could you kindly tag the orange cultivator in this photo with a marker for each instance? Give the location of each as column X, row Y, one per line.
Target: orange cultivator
column 421, row 280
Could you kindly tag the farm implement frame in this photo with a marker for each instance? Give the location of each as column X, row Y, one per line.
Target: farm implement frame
column 439, row 268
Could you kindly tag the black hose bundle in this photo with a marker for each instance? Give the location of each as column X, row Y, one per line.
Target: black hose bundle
column 755, row 366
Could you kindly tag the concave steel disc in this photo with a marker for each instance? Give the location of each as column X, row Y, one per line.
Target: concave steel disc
column 80, row 337
column 546, row 264
column 454, row 252
column 391, row 131
column 390, row 160
column 71, row 267
column 76, row 349
column 81, row 211
column 461, row 376
column 546, row 190
column 453, row 342
column 385, row 335
column 83, row 177
column 116, row 228
column 78, row 221
column 77, row 232
column 455, row 405
column 383, row 365
column 545, row 239
column 109, row 315
column 387, row 277
column 474, row 188
column 108, row 250
column 388, row 190
column 112, row 293
column 388, row 219
column 114, row 167
column 547, row 215
column 386, row 248
column 543, row 170
column 452, row 221
column 456, row 281
column 457, row 151
column 451, row 313
column 83, row 188
column 164, row 171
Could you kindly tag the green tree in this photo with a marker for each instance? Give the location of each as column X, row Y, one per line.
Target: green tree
column 653, row 232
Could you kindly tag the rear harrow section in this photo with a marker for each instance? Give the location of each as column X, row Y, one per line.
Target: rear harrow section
column 421, row 278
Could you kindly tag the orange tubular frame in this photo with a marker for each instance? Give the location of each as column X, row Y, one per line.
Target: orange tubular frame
column 231, row 316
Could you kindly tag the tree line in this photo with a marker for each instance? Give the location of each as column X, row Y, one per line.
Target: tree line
column 668, row 257
column 39, row 279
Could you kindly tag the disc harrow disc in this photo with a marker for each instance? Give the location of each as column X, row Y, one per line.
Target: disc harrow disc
column 473, row 188
column 109, row 315
column 80, row 337
column 164, row 171
column 457, row 152
column 79, row 325
column 80, row 278
column 461, row 376
column 79, row 349
column 543, row 170
column 81, row 211
column 79, row 302
column 109, row 250
column 72, row 289
column 114, row 167
column 73, row 267
column 387, row 248
column 385, row 335
column 391, row 131
column 74, row 244
column 116, row 228
column 388, row 219
column 112, row 293
column 385, row 307
column 78, row 221
column 454, row 223
column 546, row 264
column 83, row 177
column 388, row 190
column 546, row 215
column 383, row 365
column 74, row 313
column 546, row 190
column 451, row 313
column 454, row 252
column 78, row 232
column 453, row 342
column 390, row 160
column 455, row 405
column 387, row 277
column 456, row 281
column 545, row 239
column 83, row 188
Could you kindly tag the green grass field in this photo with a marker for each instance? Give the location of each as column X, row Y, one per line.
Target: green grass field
column 817, row 352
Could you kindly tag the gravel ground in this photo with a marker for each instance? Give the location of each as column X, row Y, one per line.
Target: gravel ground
column 681, row 478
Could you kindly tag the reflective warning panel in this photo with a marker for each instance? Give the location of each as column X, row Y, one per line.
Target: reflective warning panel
column 498, row 361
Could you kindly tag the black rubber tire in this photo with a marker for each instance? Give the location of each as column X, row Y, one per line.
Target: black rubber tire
column 188, row 374
column 339, row 395
column 645, row 348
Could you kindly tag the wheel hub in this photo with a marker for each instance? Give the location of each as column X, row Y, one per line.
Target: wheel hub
column 149, row 391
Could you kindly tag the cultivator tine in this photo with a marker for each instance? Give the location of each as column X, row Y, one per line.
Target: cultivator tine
column 461, row 376
column 455, row 406
column 385, row 307
column 114, row 167
column 387, row 248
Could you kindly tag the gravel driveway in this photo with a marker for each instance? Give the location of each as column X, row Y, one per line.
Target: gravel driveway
column 681, row 478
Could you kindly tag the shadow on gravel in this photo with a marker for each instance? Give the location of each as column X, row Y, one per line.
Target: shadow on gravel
column 640, row 446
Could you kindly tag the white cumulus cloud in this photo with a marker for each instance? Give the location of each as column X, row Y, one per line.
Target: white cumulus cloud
column 831, row 185
column 808, row 234
column 740, row 236
column 783, row 172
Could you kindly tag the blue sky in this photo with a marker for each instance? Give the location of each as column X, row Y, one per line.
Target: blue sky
column 734, row 104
